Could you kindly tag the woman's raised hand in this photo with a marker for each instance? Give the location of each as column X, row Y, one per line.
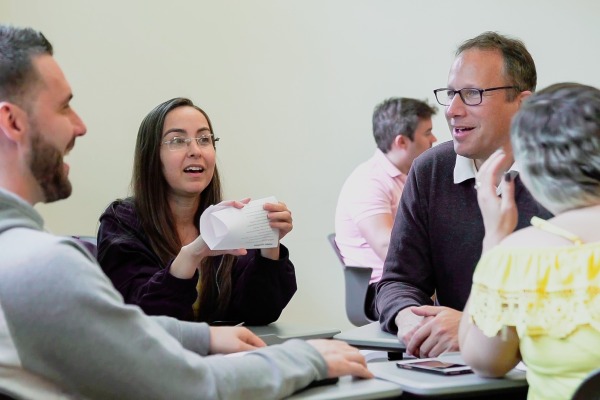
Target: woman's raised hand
column 280, row 217
column 499, row 213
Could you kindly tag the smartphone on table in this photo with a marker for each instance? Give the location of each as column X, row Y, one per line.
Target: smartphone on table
column 435, row 367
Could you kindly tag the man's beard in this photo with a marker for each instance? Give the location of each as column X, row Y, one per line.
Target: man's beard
column 46, row 165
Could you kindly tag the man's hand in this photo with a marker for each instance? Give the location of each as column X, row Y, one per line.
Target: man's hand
column 229, row 339
column 341, row 358
column 437, row 332
column 407, row 323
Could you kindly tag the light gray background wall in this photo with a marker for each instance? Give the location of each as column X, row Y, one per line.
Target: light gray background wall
column 290, row 87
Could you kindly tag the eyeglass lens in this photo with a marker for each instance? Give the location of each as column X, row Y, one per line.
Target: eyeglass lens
column 179, row 143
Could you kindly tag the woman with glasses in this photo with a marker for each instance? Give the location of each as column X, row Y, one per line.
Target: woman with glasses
column 150, row 246
column 536, row 292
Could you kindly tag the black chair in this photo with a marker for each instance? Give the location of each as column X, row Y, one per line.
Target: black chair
column 590, row 387
column 356, row 281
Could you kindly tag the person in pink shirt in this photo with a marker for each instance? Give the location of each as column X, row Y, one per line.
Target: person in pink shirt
column 368, row 201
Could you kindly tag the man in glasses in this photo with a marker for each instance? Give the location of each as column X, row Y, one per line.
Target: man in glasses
column 438, row 232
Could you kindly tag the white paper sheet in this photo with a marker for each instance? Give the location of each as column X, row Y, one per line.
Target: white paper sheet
column 227, row 228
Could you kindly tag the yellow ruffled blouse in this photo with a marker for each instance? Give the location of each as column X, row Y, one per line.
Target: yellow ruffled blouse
column 552, row 297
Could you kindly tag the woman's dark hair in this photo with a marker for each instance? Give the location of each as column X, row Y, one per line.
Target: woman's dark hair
column 150, row 193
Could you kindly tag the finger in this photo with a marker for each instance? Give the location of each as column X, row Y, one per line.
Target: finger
column 285, row 225
column 274, row 207
column 412, row 348
column 251, row 342
column 427, row 347
column 508, row 192
column 360, row 371
column 437, row 349
column 495, row 165
column 252, row 339
column 487, row 177
column 271, row 207
column 284, row 216
column 232, row 203
column 243, row 346
column 354, row 356
column 501, row 165
column 238, row 204
column 418, row 338
column 426, row 311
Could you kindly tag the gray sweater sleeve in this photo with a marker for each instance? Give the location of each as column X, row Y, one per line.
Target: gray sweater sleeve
column 193, row 336
column 70, row 326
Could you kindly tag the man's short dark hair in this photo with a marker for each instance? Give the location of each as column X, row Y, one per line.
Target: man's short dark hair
column 18, row 75
column 398, row 116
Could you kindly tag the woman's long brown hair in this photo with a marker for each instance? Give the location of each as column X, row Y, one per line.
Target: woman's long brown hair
column 150, row 193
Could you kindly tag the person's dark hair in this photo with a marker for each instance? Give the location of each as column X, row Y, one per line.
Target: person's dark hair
column 519, row 68
column 398, row 116
column 556, row 143
column 150, row 191
column 18, row 76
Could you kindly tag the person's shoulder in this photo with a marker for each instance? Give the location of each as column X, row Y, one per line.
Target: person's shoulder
column 528, row 241
column 361, row 171
column 354, row 184
column 52, row 253
column 518, row 237
column 122, row 209
column 441, row 153
column 440, row 158
column 48, row 244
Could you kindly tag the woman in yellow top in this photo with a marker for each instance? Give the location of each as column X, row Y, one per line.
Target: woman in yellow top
column 536, row 291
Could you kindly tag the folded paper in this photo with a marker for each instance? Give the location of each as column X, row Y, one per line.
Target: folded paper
column 227, row 227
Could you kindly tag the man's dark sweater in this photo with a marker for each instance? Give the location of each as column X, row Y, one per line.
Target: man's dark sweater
column 437, row 237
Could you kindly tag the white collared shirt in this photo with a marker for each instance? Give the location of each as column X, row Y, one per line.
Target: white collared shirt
column 464, row 168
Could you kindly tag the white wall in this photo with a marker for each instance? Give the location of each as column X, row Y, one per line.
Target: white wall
column 290, row 87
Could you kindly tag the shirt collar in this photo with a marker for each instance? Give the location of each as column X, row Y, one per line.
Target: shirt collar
column 386, row 164
column 464, row 169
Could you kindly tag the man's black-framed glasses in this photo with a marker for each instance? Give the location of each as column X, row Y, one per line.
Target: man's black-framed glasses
column 469, row 96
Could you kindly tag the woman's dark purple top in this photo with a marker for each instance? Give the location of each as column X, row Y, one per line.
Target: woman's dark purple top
column 260, row 287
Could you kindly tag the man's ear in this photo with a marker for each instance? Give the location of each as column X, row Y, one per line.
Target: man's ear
column 523, row 96
column 401, row 141
column 13, row 121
